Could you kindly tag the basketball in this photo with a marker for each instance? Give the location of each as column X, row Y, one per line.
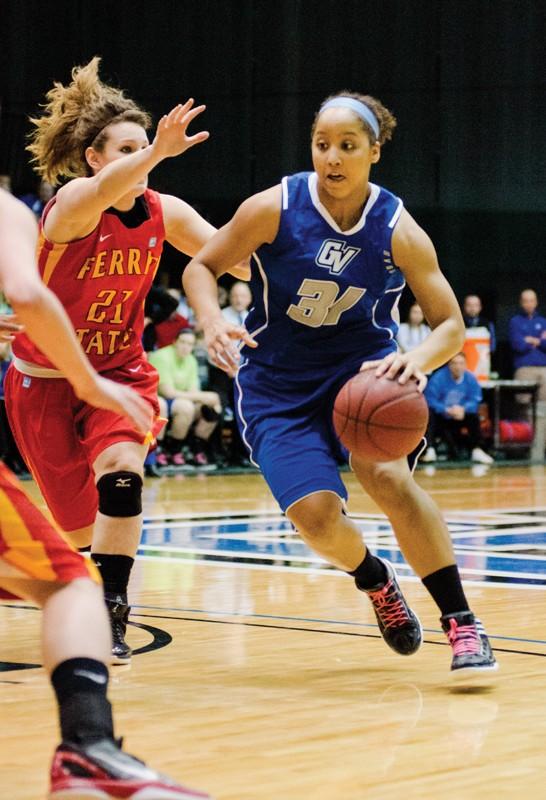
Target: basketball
column 380, row 419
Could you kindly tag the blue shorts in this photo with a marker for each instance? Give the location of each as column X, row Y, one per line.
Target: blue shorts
column 285, row 419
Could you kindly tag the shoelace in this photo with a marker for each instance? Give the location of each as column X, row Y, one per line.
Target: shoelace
column 389, row 606
column 464, row 639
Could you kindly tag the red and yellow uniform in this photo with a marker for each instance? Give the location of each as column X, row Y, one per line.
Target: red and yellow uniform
column 102, row 281
column 30, row 547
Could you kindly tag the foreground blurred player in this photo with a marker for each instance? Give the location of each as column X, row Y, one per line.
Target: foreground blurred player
column 37, row 564
column 99, row 248
column 332, row 253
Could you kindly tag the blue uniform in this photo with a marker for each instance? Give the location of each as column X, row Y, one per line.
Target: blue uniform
column 325, row 300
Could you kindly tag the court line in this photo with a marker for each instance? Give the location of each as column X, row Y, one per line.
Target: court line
column 318, row 630
column 331, row 571
column 313, row 620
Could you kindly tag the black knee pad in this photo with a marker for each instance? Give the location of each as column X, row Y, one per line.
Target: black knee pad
column 120, row 494
column 209, row 414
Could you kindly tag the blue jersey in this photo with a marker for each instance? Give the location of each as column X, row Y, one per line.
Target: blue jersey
column 323, row 296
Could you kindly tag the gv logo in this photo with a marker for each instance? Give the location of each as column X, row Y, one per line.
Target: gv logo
column 335, row 255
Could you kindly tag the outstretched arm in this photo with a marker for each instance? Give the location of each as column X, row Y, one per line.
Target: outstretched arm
column 80, row 203
column 46, row 321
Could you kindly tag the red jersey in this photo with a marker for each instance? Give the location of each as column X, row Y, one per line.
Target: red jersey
column 102, row 281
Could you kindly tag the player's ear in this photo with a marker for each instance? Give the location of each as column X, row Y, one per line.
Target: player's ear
column 375, row 154
column 92, row 158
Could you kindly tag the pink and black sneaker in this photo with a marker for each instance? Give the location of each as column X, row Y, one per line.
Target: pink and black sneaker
column 399, row 625
column 472, row 654
column 102, row 771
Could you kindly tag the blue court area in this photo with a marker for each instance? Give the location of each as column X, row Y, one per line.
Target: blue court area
column 503, row 547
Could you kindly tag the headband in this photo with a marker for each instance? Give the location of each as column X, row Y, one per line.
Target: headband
column 358, row 107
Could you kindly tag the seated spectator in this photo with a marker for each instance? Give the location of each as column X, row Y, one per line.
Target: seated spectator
column 240, row 300
column 527, row 334
column 158, row 307
column 193, row 414
column 412, row 332
column 453, row 395
column 472, row 315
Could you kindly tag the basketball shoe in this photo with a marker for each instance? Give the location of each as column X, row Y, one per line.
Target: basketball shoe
column 399, row 625
column 100, row 770
column 118, row 611
column 472, row 654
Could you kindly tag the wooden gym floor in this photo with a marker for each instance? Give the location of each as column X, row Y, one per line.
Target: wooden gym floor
column 260, row 675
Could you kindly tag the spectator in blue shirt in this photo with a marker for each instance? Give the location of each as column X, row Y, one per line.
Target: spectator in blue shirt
column 527, row 333
column 453, row 395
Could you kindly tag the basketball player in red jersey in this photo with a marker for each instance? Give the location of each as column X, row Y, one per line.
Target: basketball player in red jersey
column 37, row 564
column 100, row 242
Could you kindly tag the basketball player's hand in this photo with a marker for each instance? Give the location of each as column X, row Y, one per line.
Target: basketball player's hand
column 9, row 327
column 399, row 366
column 221, row 338
column 120, row 399
column 171, row 138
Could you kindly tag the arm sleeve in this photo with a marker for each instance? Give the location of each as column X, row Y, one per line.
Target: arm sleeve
column 517, row 337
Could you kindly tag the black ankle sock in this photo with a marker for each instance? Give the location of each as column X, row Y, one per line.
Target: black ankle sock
column 85, row 714
column 115, row 571
column 370, row 573
column 446, row 590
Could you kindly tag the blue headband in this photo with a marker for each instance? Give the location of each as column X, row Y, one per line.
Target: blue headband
column 359, row 108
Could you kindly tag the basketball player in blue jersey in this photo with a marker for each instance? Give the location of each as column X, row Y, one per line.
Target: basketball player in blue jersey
column 332, row 252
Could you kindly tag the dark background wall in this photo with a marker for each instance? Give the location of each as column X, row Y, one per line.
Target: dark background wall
column 465, row 78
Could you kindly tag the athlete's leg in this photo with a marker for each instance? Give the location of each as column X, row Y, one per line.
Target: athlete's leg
column 113, row 534
column 118, row 470
column 80, row 538
column 320, row 521
column 76, row 649
column 425, row 542
column 416, row 520
column 74, row 622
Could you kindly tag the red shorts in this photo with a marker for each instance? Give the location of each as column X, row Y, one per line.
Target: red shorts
column 60, row 437
column 30, row 547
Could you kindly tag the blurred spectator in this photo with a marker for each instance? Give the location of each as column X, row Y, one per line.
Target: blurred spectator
column 162, row 318
column 223, row 296
column 5, row 183
column 38, row 201
column 527, row 334
column 240, row 300
column 158, row 307
column 453, row 395
column 193, row 414
column 472, row 315
column 412, row 332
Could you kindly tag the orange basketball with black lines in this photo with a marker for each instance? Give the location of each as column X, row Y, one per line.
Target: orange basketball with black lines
column 379, row 419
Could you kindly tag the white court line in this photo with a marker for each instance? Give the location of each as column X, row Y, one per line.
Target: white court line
column 482, row 584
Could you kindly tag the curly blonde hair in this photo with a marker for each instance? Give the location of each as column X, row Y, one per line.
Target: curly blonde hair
column 74, row 118
column 386, row 120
